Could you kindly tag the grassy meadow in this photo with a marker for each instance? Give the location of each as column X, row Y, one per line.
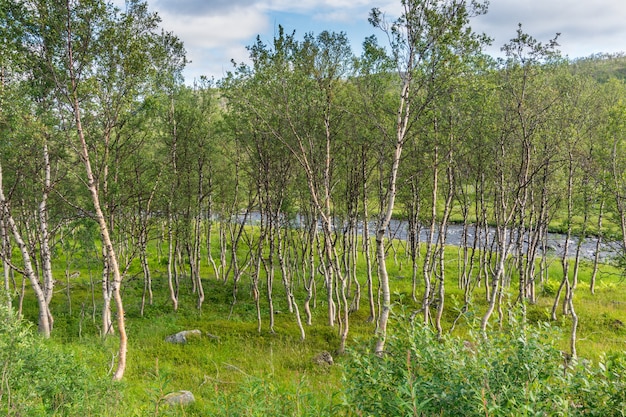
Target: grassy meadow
column 234, row 369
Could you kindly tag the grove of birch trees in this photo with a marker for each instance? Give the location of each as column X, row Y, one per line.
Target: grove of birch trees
column 287, row 179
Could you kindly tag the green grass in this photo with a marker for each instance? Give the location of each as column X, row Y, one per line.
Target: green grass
column 213, row 369
column 242, row 365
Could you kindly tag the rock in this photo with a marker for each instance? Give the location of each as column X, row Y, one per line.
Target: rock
column 181, row 337
column 179, row 398
column 323, row 359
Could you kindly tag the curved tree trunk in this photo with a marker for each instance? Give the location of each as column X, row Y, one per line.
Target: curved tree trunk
column 45, row 325
column 42, row 294
column 384, row 225
column 107, row 243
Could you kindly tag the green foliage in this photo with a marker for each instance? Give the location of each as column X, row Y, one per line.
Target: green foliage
column 550, row 287
column 247, row 372
column 40, row 378
column 602, row 388
column 515, row 372
column 602, row 67
column 306, row 118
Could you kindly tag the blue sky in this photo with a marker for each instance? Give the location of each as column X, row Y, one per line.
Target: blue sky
column 216, row 31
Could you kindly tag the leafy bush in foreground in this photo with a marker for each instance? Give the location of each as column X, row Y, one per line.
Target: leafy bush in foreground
column 517, row 372
column 37, row 378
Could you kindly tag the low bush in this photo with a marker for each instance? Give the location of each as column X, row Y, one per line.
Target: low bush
column 517, row 372
column 39, row 378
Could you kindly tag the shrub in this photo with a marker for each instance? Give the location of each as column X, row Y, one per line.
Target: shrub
column 39, row 379
column 601, row 388
column 517, row 372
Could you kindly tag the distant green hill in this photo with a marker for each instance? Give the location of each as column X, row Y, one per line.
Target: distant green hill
column 603, row 66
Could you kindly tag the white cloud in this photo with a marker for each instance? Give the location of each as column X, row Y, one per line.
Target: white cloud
column 214, row 63
column 585, row 27
column 314, row 5
column 201, row 7
column 212, row 41
column 216, row 31
column 208, row 31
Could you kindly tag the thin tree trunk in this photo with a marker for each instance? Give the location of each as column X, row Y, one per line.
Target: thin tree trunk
column 99, row 215
column 596, row 257
column 195, row 261
column 107, row 295
column 270, row 269
column 44, row 236
column 20, row 304
column 441, row 245
column 144, row 217
column 574, row 328
column 310, row 282
column 414, row 236
column 5, row 248
column 45, row 325
column 223, row 248
column 565, row 282
column 429, row 258
column 367, row 243
column 256, row 296
column 497, row 278
column 170, row 259
column 147, row 280
column 402, row 125
column 280, row 254
column 209, row 233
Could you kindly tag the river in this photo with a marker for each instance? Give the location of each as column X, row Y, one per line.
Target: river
column 399, row 229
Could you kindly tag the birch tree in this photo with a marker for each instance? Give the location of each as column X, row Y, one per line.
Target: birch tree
column 616, row 139
column 303, row 81
column 374, row 86
column 77, row 48
column 43, row 288
column 431, row 43
column 26, row 120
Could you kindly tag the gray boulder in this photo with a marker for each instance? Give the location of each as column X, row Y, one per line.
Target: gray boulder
column 323, row 359
column 179, row 398
column 182, row 337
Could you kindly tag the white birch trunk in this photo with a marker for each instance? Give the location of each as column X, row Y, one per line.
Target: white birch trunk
column 44, row 323
column 107, row 295
column 385, row 219
column 170, row 259
column 107, row 243
column 6, row 267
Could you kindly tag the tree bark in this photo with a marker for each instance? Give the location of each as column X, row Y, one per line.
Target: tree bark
column 44, row 236
column 385, row 219
column 5, row 247
column 596, row 257
column 44, row 322
column 99, row 215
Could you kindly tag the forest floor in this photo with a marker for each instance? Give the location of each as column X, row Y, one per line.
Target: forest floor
column 233, row 363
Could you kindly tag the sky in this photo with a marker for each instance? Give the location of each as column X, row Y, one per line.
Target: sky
column 215, row 32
